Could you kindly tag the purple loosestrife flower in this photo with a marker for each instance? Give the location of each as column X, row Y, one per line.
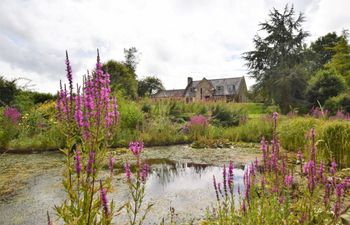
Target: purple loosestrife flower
column 78, row 162
column 69, row 73
column 327, row 193
column 12, row 114
column 136, row 148
column 230, row 176
column 333, row 168
column 263, row 147
column 339, row 190
column 144, row 172
column 310, row 170
column 78, row 114
column 198, row 120
column 127, row 172
column 103, row 198
column 215, row 188
column 288, row 180
column 320, row 172
column 224, row 176
column 111, row 163
column 91, row 161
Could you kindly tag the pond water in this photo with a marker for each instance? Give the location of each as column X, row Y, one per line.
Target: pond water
column 186, row 186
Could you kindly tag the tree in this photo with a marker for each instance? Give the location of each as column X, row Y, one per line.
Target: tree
column 321, row 51
column 340, row 61
column 276, row 62
column 8, row 91
column 149, row 85
column 131, row 58
column 122, row 78
column 324, row 85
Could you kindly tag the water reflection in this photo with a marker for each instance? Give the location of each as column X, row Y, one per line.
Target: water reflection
column 180, row 178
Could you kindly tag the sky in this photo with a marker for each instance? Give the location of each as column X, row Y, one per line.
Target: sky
column 175, row 38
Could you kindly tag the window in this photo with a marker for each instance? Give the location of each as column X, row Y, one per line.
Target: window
column 219, row 90
column 231, row 88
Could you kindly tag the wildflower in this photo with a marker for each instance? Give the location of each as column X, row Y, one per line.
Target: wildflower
column 339, row 190
column 288, row 180
column 78, row 162
column 12, row 114
column 136, row 148
column 320, row 172
column 327, row 189
column 144, row 172
column 48, row 219
column 198, row 120
column 333, row 168
column 224, row 180
column 103, row 197
column 127, row 172
column 230, row 176
column 69, row 72
column 91, row 161
column 78, row 114
column 216, row 188
column 111, row 163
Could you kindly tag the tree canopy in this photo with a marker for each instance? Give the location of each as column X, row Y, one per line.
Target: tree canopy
column 276, row 62
column 149, row 85
column 122, row 78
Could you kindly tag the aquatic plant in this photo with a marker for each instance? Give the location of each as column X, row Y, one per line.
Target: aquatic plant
column 274, row 193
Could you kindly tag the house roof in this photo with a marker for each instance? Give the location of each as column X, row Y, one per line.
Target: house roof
column 170, row 93
column 224, row 82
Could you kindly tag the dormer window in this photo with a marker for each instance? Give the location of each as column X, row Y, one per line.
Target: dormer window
column 219, row 90
column 231, row 88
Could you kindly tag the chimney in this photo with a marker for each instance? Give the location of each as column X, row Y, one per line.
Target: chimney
column 189, row 80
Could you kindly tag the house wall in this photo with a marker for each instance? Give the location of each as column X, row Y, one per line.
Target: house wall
column 207, row 90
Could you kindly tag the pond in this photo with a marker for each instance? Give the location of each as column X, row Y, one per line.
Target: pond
column 183, row 183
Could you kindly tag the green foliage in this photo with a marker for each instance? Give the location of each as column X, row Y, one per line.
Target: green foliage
column 324, row 85
column 276, row 62
column 292, row 132
column 149, row 85
column 226, row 117
column 335, row 142
column 122, row 78
column 340, row 102
column 321, row 51
column 8, row 90
column 131, row 115
column 341, row 59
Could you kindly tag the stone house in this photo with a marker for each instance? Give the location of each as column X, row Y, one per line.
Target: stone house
column 227, row 89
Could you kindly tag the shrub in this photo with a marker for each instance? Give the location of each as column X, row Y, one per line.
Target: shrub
column 336, row 141
column 340, row 102
column 224, row 116
column 292, row 132
column 325, row 84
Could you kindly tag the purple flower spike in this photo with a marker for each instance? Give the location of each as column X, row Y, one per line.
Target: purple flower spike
column 333, row 168
column 127, row 172
column 111, row 163
column 78, row 162
column 104, row 200
column 288, row 180
column 144, row 172
column 136, row 148
column 91, row 161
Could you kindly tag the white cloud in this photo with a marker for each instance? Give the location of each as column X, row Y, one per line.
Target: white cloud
column 177, row 38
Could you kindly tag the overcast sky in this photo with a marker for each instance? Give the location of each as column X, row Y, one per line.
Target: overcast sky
column 176, row 38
